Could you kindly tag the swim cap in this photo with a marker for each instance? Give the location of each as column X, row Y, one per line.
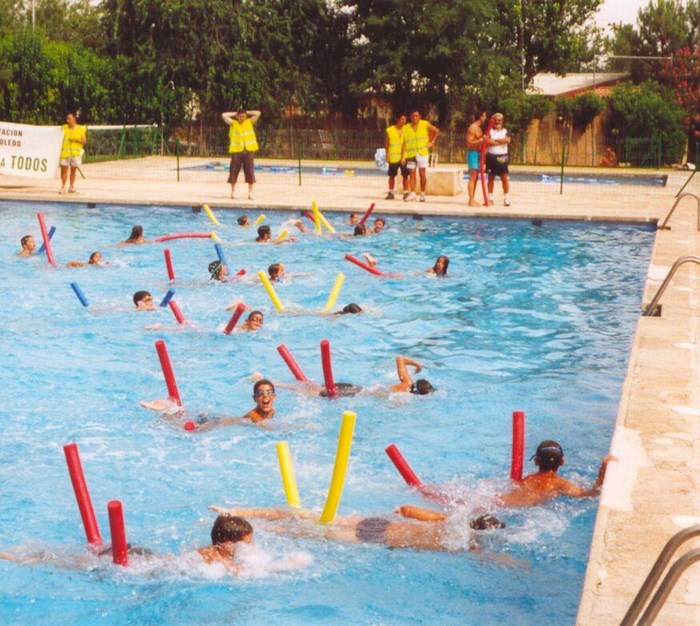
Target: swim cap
column 548, row 448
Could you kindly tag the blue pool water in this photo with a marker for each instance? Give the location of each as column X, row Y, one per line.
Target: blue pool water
column 597, row 178
column 531, row 318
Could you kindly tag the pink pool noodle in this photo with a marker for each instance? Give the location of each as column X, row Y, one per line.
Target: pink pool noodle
column 328, row 369
column 234, row 318
column 168, row 373
column 516, row 463
column 183, row 236
column 46, row 238
column 363, row 265
column 169, row 264
column 176, row 312
column 118, row 532
column 291, row 363
column 402, row 465
column 82, row 495
column 367, row 214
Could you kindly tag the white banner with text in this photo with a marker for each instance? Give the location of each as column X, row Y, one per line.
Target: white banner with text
column 27, row 150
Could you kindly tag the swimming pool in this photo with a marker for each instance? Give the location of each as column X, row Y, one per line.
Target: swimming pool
column 532, row 318
column 594, row 178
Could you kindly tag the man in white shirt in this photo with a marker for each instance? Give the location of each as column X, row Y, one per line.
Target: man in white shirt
column 497, row 157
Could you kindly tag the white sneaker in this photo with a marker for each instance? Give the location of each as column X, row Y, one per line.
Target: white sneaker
column 389, row 196
column 233, row 197
column 411, row 197
column 405, row 196
column 490, row 199
column 62, row 190
column 506, row 201
column 72, row 190
column 422, row 197
column 250, row 196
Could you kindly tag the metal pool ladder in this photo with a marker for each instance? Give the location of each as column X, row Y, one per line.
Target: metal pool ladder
column 673, row 208
column 667, row 583
column 653, row 305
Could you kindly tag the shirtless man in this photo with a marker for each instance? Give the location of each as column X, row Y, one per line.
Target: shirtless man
column 227, row 533
column 28, row 246
column 264, row 409
column 546, row 484
column 475, row 137
column 420, row 387
column 426, row 531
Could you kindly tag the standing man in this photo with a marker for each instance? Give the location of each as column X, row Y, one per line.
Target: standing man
column 475, row 137
column 395, row 147
column 242, row 146
column 693, row 141
column 497, row 157
column 420, row 135
column 74, row 139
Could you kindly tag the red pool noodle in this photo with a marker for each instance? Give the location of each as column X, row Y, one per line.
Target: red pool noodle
column 516, row 463
column 46, row 238
column 82, row 495
column 234, row 318
column 177, row 312
column 169, row 264
column 328, row 369
column 310, row 215
column 402, row 465
column 183, row 236
column 118, row 532
column 368, row 212
column 168, row 373
column 291, row 363
column 482, row 164
column 241, row 272
column 363, row 265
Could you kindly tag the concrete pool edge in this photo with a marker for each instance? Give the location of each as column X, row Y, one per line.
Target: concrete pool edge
column 660, row 377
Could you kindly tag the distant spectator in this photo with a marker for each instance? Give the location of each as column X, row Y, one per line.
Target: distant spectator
column 609, row 158
column 242, row 146
column 74, row 140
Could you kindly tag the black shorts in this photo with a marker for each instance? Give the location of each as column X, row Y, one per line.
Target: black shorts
column 497, row 164
column 394, row 169
column 345, row 390
column 245, row 160
column 371, row 530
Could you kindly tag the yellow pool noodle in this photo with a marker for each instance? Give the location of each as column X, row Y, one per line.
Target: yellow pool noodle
column 287, row 471
column 261, row 218
column 270, row 290
column 325, row 222
column 317, row 217
column 214, row 236
column 337, row 286
column 341, row 465
column 282, row 236
column 210, row 215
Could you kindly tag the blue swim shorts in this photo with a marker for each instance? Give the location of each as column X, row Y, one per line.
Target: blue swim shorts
column 473, row 159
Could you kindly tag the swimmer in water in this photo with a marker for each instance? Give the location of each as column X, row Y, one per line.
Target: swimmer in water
column 143, row 301
column 254, row 321
column 351, row 309
column 379, row 225
column 95, row 259
column 264, row 409
column 243, row 221
column 28, row 246
column 440, row 267
column 136, row 236
column 217, row 271
column 406, row 384
column 353, row 219
column 426, row 530
column 360, row 231
column 546, row 484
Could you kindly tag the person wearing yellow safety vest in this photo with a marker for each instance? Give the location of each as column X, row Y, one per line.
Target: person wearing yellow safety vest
column 394, row 146
column 74, row 139
column 242, row 146
column 420, row 135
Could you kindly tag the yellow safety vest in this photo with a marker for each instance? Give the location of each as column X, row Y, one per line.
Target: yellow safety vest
column 395, row 137
column 242, row 137
column 416, row 139
column 71, row 138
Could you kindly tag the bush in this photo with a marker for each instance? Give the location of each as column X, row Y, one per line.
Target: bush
column 580, row 110
column 647, row 111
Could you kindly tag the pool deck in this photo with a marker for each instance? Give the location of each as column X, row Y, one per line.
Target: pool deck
column 653, row 490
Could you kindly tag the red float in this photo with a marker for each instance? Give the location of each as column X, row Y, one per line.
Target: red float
column 363, row 265
column 234, row 318
column 183, row 236
column 82, row 495
column 168, row 373
column 176, row 312
column 517, row 455
column 402, row 465
column 291, row 363
column 368, row 212
column 169, row 264
column 118, row 532
column 328, row 369
column 46, row 238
